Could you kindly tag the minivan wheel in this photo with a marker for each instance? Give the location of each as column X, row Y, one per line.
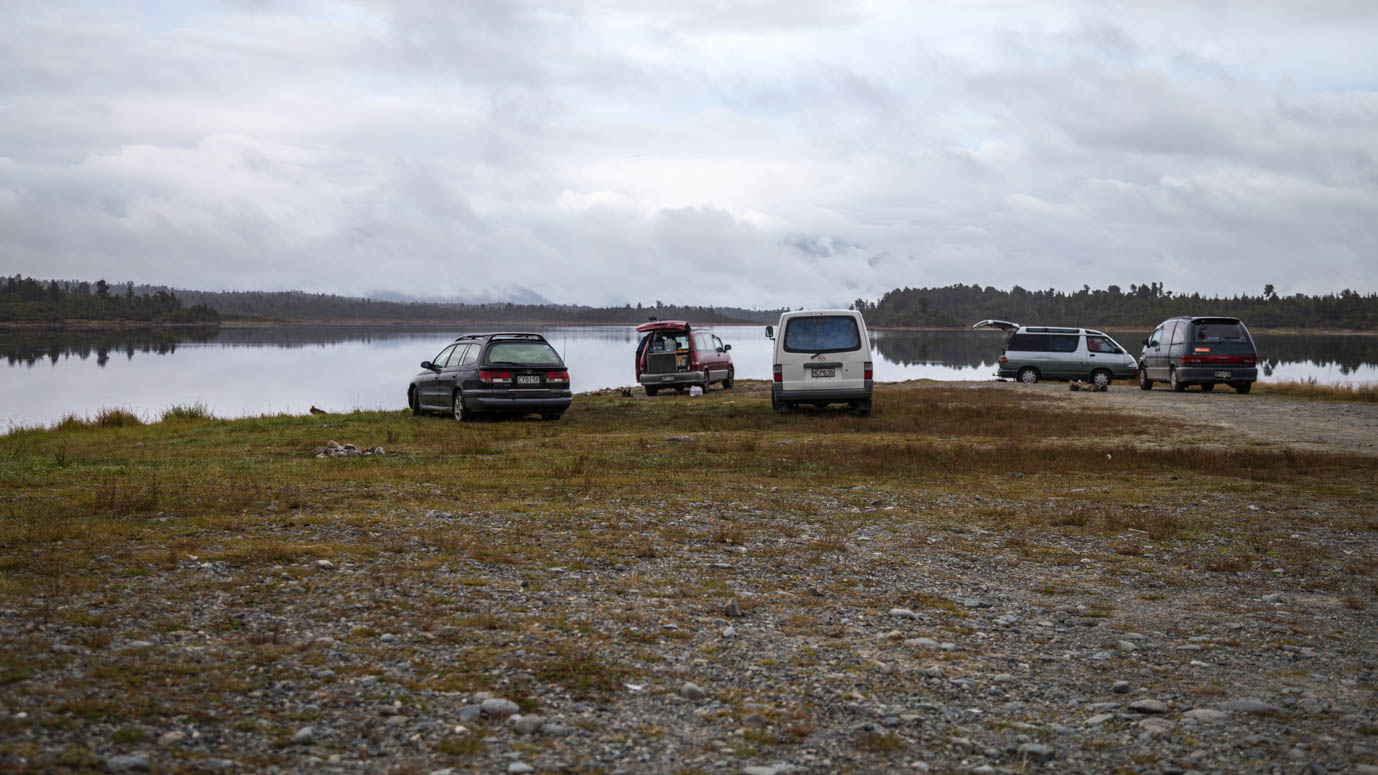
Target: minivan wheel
column 650, row 391
column 457, row 408
column 1243, row 387
column 1028, row 375
column 413, row 403
column 1100, row 378
column 1177, row 385
column 727, row 382
column 1144, row 382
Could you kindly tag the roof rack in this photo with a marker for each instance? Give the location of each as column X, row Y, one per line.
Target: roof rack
column 507, row 334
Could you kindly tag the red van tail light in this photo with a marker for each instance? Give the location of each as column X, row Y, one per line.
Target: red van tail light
column 866, row 370
column 779, row 375
column 1003, row 359
column 557, row 377
column 495, row 377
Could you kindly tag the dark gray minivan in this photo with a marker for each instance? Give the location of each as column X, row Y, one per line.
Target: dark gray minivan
column 1205, row 351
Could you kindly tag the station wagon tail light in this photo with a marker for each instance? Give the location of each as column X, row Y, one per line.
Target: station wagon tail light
column 866, row 370
column 779, row 375
column 495, row 377
column 557, row 377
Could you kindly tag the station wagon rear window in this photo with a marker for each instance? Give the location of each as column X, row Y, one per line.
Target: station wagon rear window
column 1043, row 343
column 823, row 334
column 534, row 353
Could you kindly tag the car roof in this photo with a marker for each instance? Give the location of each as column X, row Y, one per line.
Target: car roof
column 1058, row 330
column 517, row 335
column 656, row 325
column 820, row 312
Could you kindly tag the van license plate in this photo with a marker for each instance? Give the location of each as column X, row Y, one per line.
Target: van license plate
column 528, row 379
column 667, row 378
column 817, row 373
column 1222, row 375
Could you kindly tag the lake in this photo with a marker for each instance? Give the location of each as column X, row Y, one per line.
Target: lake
column 239, row 371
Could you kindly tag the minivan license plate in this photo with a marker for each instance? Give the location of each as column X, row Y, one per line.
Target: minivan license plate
column 824, row 373
column 1222, row 375
column 528, row 379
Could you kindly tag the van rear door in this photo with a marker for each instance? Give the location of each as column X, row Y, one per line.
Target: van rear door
column 828, row 353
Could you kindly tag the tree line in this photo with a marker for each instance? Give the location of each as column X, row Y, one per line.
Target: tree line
column 1142, row 306
column 24, row 299
column 324, row 307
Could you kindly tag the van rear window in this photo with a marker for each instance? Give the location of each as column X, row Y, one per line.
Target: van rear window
column 1042, row 343
column 826, row 334
column 1221, row 336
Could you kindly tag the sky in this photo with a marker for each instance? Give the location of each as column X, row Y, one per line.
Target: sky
column 754, row 153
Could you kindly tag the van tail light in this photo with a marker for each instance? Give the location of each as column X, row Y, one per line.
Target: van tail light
column 779, row 375
column 1190, row 359
column 495, row 377
column 1003, row 359
column 557, row 377
column 866, row 370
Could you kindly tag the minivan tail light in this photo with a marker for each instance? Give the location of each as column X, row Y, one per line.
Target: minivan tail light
column 495, row 377
column 779, row 375
column 1003, row 359
column 557, row 377
column 866, row 370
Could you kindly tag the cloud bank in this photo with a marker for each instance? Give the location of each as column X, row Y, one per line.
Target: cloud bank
column 747, row 153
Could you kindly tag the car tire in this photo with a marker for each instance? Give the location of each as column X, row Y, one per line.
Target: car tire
column 413, row 403
column 1028, row 375
column 550, row 416
column 727, row 381
column 863, row 408
column 1144, row 382
column 779, row 406
column 707, row 380
column 1243, row 387
column 650, row 391
column 1177, row 385
column 1101, row 378
column 457, row 408
column 1208, row 387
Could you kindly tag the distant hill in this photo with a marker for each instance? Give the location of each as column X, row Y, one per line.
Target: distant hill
column 24, row 300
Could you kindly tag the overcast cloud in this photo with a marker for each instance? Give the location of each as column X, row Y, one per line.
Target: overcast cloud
column 758, row 152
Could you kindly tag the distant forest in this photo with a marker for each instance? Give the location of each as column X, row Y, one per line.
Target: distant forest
column 321, row 307
column 1143, row 306
column 24, row 299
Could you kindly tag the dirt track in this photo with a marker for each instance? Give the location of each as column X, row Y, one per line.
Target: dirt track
column 1265, row 420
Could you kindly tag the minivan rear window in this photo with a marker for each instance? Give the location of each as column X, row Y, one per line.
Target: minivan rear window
column 1220, row 336
column 534, row 353
column 824, row 334
column 1042, row 343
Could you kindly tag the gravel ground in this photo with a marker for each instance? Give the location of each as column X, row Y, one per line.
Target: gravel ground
column 853, row 629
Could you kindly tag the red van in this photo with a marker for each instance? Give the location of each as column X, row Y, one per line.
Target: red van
column 674, row 354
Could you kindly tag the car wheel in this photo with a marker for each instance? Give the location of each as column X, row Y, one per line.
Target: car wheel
column 550, row 416
column 1028, row 375
column 414, row 404
column 1177, row 385
column 707, row 380
column 457, row 408
column 863, row 408
column 778, row 405
column 1243, row 387
column 650, row 391
column 1208, row 387
column 1100, row 378
column 1144, row 382
column 727, row 382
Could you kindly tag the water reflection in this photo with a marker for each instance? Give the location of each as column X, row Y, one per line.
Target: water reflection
column 249, row 370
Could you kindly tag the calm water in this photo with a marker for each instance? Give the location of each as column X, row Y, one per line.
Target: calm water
column 267, row 370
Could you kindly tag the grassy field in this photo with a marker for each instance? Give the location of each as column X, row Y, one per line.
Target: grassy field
column 91, row 512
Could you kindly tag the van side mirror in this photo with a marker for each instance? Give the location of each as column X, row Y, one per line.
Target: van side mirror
column 726, row 347
column 1145, row 341
column 770, row 332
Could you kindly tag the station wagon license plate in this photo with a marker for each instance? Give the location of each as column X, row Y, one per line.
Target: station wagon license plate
column 1222, row 375
column 817, row 373
column 528, row 379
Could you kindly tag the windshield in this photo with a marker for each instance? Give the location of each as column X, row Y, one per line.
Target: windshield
column 535, row 353
column 830, row 334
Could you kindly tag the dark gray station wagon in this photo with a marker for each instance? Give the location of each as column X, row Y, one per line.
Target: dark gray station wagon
column 504, row 373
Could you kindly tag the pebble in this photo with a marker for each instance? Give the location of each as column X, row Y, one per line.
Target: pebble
column 903, row 613
column 171, row 738
column 137, row 762
column 1120, row 687
column 1206, row 715
column 1098, row 719
column 1250, row 706
column 519, row 768
column 1148, row 706
column 1036, row 752
column 733, row 609
column 469, row 713
column 768, row 769
column 497, row 707
column 325, row 565
column 304, row 736
column 527, row 725
column 216, row 765
column 692, row 691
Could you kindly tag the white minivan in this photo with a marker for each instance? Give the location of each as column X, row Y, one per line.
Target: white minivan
column 822, row 357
